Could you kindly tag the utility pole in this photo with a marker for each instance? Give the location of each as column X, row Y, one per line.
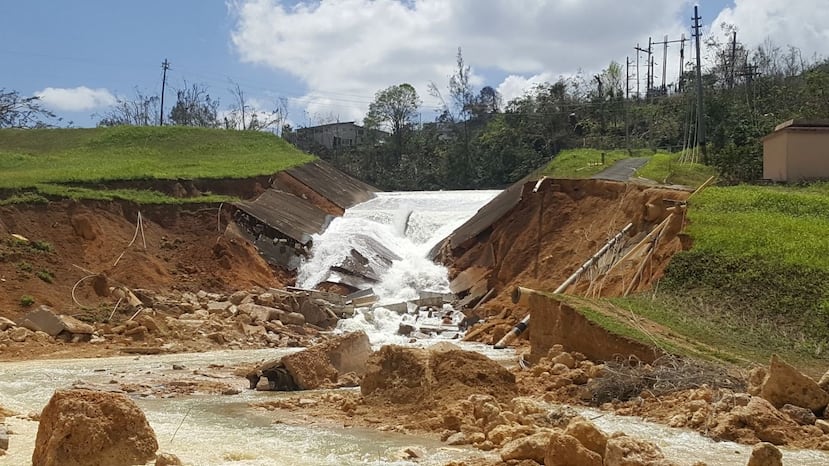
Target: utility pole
column 664, row 62
column 164, row 66
column 627, row 103
column 638, row 49
column 681, row 79
column 700, row 102
column 601, row 112
column 733, row 59
column 648, row 63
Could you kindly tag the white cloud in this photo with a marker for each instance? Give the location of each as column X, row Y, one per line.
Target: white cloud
column 515, row 86
column 346, row 50
column 800, row 23
column 75, row 99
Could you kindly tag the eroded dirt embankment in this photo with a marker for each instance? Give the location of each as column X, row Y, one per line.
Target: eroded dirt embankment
column 546, row 237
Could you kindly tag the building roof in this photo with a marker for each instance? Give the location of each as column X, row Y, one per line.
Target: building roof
column 802, row 124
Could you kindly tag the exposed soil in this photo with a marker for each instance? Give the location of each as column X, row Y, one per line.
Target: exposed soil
column 577, row 218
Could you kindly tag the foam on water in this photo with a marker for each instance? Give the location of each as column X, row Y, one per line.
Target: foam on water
column 408, row 224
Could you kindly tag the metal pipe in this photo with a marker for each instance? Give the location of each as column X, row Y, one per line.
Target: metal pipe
column 521, row 295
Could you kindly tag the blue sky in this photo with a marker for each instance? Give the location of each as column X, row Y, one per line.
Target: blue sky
column 331, row 57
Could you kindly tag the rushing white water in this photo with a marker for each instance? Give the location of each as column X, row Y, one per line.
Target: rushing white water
column 408, row 224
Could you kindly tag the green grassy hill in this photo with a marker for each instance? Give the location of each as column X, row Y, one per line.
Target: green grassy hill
column 43, row 162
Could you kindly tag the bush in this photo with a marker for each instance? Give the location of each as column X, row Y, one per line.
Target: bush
column 46, row 276
column 26, row 300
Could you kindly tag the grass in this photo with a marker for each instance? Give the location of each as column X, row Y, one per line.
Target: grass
column 757, row 277
column 735, row 337
column 582, row 163
column 39, row 163
column 666, row 169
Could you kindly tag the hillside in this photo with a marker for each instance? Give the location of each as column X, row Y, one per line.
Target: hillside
column 73, row 163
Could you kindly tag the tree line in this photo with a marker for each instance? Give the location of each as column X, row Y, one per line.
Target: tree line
column 479, row 141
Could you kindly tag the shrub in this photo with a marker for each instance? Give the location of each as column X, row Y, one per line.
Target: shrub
column 26, row 300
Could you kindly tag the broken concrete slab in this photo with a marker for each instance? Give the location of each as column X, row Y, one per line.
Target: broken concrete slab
column 468, row 278
column 42, row 319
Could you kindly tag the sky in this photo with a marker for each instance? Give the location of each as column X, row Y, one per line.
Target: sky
column 328, row 58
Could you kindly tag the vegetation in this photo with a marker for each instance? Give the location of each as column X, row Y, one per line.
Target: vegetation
column 39, row 163
column 584, row 163
column 26, row 300
column 757, row 277
column 45, row 275
column 671, row 169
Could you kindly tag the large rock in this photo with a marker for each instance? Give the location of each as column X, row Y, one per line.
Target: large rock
column 786, row 385
column 757, row 420
column 628, row 451
column 588, row 435
column 6, row 324
column 89, row 428
column 321, row 365
column 533, row 447
column 44, row 320
column 802, row 416
column 75, row 326
column 765, row 454
column 566, row 450
column 410, row 375
column 316, row 313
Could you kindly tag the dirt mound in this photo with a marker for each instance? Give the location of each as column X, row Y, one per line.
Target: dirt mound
column 550, row 233
column 410, row 375
column 81, row 427
column 185, row 250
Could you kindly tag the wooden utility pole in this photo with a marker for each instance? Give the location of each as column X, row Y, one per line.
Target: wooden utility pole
column 700, row 102
column 664, row 62
column 681, row 80
column 627, row 103
column 733, row 60
column 164, row 66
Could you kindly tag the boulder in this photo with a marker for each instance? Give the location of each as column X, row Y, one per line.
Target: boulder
column 505, row 433
column 6, row 324
column 317, row 314
column 786, row 385
column 167, row 459
column 292, row 318
column 822, row 383
column 757, row 420
column 218, row 307
column 19, row 334
column 321, row 365
column 4, row 438
column 588, row 435
column 802, row 416
column 75, row 326
column 566, row 450
column 44, row 320
column 765, row 454
column 628, row 451
column 410, row 375
column 533, row 447
column 237, row 297
column 90, row 428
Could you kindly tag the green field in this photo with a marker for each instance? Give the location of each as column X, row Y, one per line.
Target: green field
column 667, row 169
column 45, row 161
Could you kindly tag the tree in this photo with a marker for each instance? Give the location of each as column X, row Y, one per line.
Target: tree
column 22, row 112
column 194, row 107
column 142, row 110
column 394, row 108
column 247, row 118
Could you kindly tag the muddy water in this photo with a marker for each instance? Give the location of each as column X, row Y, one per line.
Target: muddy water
column 207, row 430
column 223, row 430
